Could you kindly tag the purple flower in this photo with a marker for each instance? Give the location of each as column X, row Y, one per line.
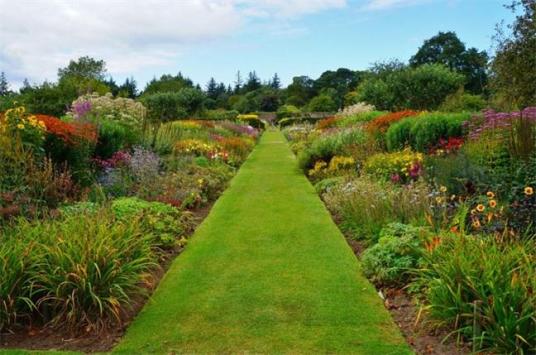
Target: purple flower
column 81, row 108
column 492, row 120
column 144, row 164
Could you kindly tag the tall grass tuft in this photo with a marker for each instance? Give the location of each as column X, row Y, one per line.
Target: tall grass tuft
column 484, row 288
column 82, row 271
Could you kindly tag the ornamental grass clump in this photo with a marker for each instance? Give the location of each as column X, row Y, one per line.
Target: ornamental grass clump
column 366, row 205
column 483, row 287
column 15, row 285
column 86, row 268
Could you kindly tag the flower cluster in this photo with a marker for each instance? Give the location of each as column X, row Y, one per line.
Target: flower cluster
column 144, row 163
column 382, row 123
column 119, row 158
column 70, row 132
column 94, row 107
column 400, row 167
column 492, row 120
column 193, row 146
column 327, row 122
column 239, row 129
column 523, row 210
column 17, row 122
column 360, row 107
column 336, row 165
column 487, row 216
column 447, row 146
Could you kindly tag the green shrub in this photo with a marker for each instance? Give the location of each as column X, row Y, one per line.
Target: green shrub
column 114, row 136
column 457, row 173
column 423, row 132
column 252, row 120
column 322, row 103
column 166, row 225
column 421, row 88
column 484, row 287
column 221, row 115
column 288, row 111
column 167, row 106
column 326, row 147
column 392, row 260
column 463, row 102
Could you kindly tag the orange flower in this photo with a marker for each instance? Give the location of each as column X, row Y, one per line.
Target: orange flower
column 382, row 123
column 69, row 132
column 529, row 191
column 476, row 224
column 480, row 207
column 434, row 243
column 492, row 203
column 490, row 194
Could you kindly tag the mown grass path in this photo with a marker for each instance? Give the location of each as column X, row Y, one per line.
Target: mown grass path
column 267, row 272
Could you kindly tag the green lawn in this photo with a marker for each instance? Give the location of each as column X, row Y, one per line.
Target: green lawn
column 267, row 271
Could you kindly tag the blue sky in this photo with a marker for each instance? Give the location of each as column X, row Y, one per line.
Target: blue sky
column 204, row 38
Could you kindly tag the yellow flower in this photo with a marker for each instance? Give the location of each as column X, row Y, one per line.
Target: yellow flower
column 443, row 189
column 529, row 191
column 490, row 194
column 492, row 203
column 476, row 224
column 20, row 126
column 480, row 208
column 439, row 199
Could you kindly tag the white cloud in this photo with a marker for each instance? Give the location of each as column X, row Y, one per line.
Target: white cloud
column 37, row 37
column 389, row 4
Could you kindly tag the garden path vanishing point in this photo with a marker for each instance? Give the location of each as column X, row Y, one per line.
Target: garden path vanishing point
column 266, row 272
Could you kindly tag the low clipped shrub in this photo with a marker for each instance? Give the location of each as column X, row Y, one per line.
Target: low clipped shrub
column 392, row 261
column 484, row 288
column 425, row 131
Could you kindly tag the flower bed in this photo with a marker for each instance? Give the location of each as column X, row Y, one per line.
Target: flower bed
column 444, row 206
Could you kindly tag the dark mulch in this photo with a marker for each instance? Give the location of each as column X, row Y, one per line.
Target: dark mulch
column 39, row 337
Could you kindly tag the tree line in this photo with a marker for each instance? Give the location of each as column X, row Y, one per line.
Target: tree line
column 442, row 74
